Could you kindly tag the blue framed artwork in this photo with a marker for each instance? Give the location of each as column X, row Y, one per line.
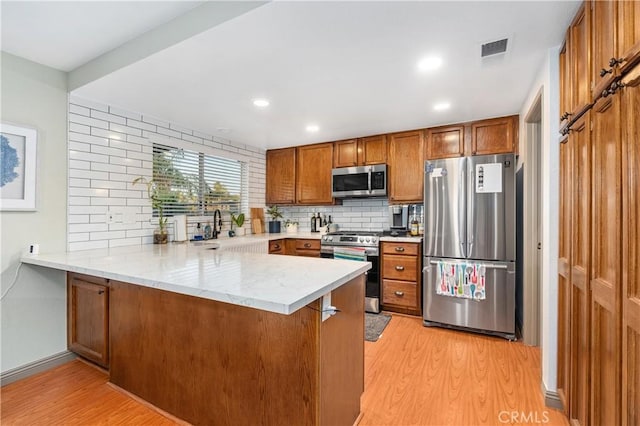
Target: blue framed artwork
column 17, row 167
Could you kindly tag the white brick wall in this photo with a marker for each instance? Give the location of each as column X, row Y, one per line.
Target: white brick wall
column 353, row 214
column 110, row 147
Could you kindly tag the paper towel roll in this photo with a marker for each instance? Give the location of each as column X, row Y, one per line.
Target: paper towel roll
column 180, row 227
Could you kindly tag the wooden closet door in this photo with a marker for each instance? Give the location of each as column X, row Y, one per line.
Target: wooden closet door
column 606, row 280
column 631, row 250
column 580, row 144
column 603, row 39
column 564, row 277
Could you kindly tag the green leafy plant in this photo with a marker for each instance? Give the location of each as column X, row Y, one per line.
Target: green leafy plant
column 157, row 201
column 274, row 212
column 238, row 220
column 290, row 222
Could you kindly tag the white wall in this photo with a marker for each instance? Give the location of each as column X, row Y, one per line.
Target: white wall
column 548, row 80
column 34, row 311
column 110, row 147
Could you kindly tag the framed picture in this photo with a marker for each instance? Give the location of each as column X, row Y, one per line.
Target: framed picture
column 17, row 167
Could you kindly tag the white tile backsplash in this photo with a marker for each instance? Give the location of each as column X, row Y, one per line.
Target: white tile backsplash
column 108, row 148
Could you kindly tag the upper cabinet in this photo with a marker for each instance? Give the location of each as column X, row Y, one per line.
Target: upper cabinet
column 444, row 142
column 615, row 41
column 281, row 176
column 345, row 153
column 313, row 174
column 580, row 67
column 405, row 166
column 372, row 150
column 494, row 136
column 360, row 152
column 565, row 80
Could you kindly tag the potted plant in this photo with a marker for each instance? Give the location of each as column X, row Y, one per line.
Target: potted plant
column 238, row 221
column 291, row 226
column 274, row 224
column 160, row 235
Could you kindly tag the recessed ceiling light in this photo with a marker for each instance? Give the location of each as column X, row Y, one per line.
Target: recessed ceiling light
column 430, row 63
column 312, row 128
column 261, row 103
column 442, row 106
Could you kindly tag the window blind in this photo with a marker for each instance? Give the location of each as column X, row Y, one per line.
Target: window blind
column 196, row 184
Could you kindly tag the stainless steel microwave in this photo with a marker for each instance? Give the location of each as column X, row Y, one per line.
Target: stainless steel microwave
column 363, row 181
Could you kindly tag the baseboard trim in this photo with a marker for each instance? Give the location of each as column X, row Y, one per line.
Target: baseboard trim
column 36, row 367
column 551, row 398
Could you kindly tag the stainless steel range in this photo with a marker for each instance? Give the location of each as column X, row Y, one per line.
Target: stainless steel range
column 366, row 243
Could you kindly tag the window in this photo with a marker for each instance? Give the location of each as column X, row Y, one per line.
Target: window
column 196, row 184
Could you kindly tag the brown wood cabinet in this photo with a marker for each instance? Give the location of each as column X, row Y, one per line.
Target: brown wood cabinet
column 405, row 167
column 580, row 67
column 564, row 277
column 565, row 80
column 580, row 145
column 281, row 176
column 599, row 293
column 445, row 142
column 494, row 136
column 631, row 248
column 313, row 174
column 88, row 317
column 401, row 277
column 307, row 247
column 360, row 152
column 277, row 247
column 616, row 41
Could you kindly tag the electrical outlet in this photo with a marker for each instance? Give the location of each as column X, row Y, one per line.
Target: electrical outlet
column 111, row 217
column 326, row 304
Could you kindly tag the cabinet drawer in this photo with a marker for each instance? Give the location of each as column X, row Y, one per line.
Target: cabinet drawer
column 276, row 247
column 307, row 244
column 410, row 249
column 400, row 267
column 400, row 293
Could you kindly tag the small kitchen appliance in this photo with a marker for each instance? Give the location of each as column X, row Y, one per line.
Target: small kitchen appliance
column 180, row 228
column 363, row 181
column 399, row 218
column 366, row 243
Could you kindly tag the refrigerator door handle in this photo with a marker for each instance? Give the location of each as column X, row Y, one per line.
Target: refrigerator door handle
column 486, row 265
column 462, row 219
column 470, row 211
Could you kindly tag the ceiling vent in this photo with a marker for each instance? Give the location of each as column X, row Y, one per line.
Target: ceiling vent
column 494, row 47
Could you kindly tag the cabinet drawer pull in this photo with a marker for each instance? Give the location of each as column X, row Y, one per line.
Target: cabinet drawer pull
column 276, row 246
column 307, row 245
column 400, row 249
column 100, row 291
column 399, row 268
column 399, row 293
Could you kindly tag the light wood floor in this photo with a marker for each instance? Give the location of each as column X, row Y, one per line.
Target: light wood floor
column 413, row 376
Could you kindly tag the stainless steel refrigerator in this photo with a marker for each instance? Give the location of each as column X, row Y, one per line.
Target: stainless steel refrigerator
column 470, row 244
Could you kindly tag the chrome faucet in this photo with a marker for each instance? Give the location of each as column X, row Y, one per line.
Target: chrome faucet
column 217, row 223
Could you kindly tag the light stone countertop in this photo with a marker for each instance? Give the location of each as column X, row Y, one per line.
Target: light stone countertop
column 388, row 238
column 276, row 283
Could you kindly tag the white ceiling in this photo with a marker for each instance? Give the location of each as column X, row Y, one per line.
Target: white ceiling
column 349, row 67
column 66, row 34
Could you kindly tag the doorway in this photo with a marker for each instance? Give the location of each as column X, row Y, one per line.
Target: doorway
column 532, row 224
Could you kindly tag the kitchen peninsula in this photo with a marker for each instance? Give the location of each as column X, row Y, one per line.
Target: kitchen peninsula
column 225, row 337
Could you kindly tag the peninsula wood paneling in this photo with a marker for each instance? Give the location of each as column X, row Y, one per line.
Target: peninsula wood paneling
column 606, row 263
column 210, row 362
column 580, row 145
column 631, row 249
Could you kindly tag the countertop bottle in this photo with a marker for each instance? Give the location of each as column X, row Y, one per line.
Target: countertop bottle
column 313, row 222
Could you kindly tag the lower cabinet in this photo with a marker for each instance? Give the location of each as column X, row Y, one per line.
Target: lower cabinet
column 401, row 277
column 88, row 317
column 295, row 247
